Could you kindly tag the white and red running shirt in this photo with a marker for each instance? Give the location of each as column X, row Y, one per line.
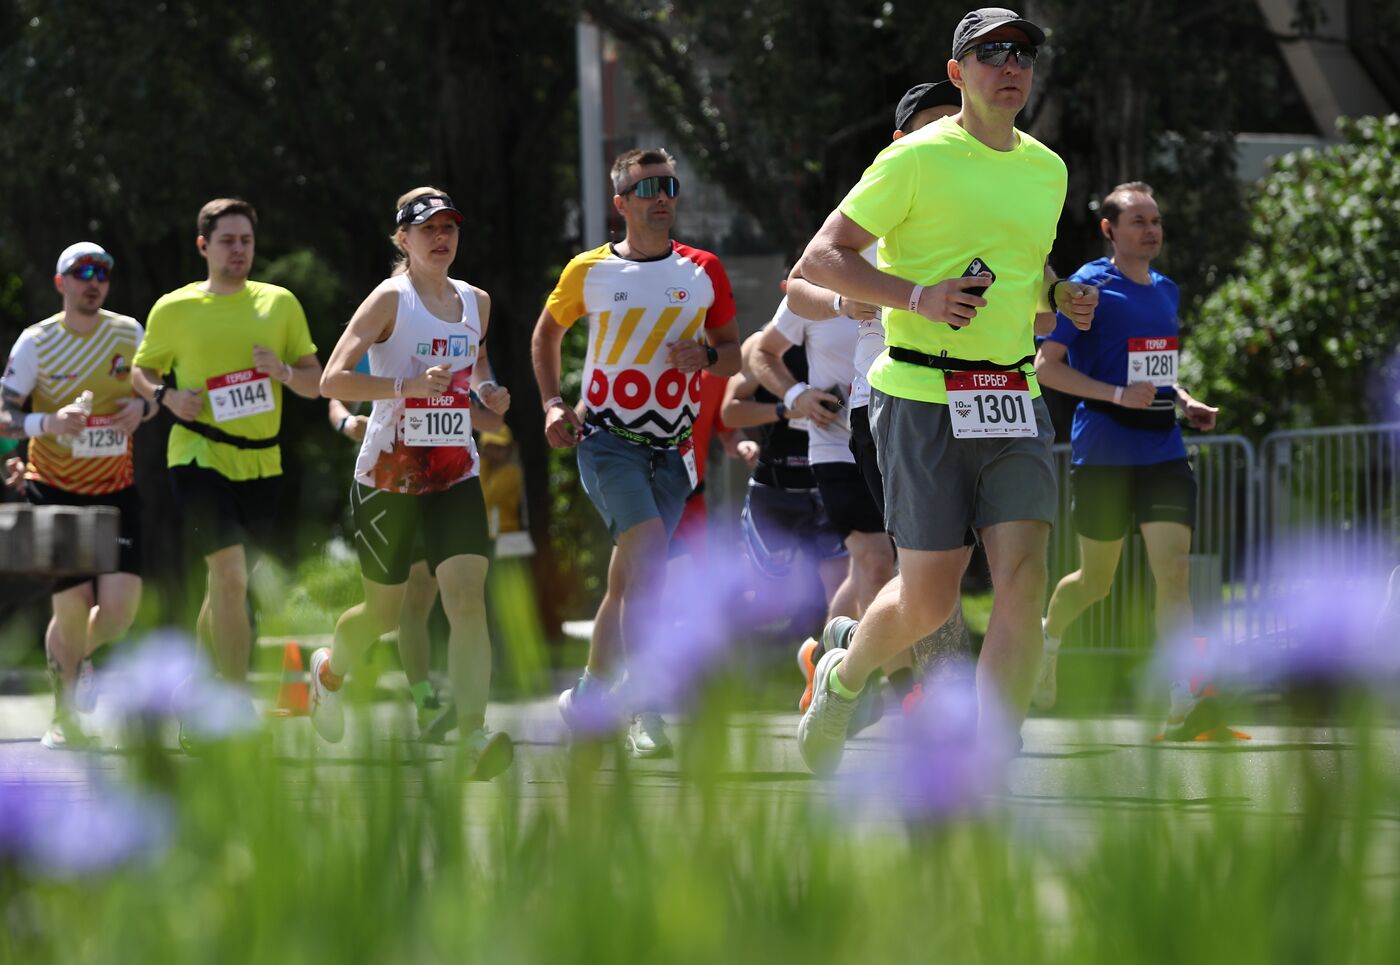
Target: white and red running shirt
column 394, row 455
column 634, row 309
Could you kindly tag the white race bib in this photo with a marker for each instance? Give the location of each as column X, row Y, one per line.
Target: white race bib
column 687, row 449
column 990, row 405
column 1152, row 360
column 99, row 440
column 237, row 395
column 443, row 420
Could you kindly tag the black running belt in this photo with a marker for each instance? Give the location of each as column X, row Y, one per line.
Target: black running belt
column 947, row 364
column 1155, row 418
column 218, row 435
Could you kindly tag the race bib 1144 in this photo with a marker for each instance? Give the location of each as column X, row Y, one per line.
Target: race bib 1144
column 990, row 405
column 237, row 395
column 443, row 420
column 99, row 439
column 1152, row 360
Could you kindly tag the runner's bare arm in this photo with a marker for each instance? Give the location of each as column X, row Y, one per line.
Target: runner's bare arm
column 833, row 260
column 739, row 409
column 766, row 360
column 561, row 423
column 12, row 415
column 373, row 322
column 818, row 304
column 1075, row 300
column 184, row 403
column 1052, row 370
column 691, row 356
column 1201, row 416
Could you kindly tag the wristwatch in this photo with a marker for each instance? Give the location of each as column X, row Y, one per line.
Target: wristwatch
column 159, row 393
column 712, row 354
column 780, row 411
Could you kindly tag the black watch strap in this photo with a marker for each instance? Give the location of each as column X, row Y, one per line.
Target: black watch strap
column 159, row 393
column 780, row 411
column 712, row 354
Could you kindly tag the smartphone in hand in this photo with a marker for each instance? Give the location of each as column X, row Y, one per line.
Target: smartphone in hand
column 978, row 269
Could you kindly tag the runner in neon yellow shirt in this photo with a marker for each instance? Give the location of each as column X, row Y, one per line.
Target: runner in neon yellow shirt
column 965, row 213
column 232, row 345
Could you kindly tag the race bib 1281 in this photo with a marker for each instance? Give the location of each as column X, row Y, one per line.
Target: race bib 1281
column 237, row 395
column 990, row 405
column 1152, row 360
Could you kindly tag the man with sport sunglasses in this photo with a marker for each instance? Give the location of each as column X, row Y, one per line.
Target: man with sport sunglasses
column 965, row 211
column 76, row 368
column 659, row 312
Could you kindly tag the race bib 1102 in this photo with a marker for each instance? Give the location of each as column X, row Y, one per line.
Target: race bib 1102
column 1152, row 360
column 99, row 439
column 990, row 405
column 237, row 395
column 443, row 420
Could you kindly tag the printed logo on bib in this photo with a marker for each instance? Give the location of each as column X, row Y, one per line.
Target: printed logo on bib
column 990, row 405
column 237, row 395
column 443, row 420
column 99, row 440
column 1152, row 360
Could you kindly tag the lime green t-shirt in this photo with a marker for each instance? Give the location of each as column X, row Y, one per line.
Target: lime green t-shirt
column 200, row 336
column 937, row 199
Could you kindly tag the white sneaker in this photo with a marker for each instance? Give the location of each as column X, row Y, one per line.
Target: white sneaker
column 647, row 737
column 489, row 753
column 1043, row 696
column 566, row 709
column 821, row 735
column 85, row 693
column 54, row 738
column 327, row 713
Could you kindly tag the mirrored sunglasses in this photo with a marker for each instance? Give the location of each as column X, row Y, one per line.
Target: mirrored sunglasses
column 651, row 187
column 995, row 53
column 89, row 272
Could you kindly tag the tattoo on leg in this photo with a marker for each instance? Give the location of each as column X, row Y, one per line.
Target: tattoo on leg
column 943, row 650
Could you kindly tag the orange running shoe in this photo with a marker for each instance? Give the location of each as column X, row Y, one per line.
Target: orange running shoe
column 807, row 656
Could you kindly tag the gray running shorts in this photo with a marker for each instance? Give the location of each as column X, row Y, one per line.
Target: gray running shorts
column 937, row 486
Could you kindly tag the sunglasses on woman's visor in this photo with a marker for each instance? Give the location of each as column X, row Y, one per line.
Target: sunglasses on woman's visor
column 994, row 53
column 651, row 187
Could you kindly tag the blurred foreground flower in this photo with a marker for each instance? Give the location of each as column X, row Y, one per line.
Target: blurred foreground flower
column 72, row 829
column 1327, row 620
column 947, row 757
column 167, row 674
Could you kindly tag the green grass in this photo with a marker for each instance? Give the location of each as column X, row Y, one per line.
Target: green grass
column 389, row 857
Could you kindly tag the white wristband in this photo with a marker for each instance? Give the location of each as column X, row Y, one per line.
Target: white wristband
column 790, row 397
column 914, row 298
column 398, row 388
column 290, row 372
column 836, row 306
column 34, row 424
column 1117, row 395
column 552, row 401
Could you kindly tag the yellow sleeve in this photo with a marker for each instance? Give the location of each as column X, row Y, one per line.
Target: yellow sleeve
column 882, row 198
column 156, row 350
column 299, row 341
column 566, row 303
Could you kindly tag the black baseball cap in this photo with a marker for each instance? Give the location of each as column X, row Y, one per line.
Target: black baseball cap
column 921, row 97
column 982, row 21
column 422, row 208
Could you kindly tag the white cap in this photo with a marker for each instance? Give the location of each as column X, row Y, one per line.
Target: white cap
column 83, row 249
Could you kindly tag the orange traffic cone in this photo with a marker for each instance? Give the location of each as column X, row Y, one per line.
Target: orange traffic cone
column 293, row 700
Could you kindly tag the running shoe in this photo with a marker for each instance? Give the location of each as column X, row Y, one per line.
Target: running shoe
column 63, row 734
column 436, row 719
column 647, row 737
column 870, row 708
column 327, row 712
column 567, row 711
column 821, row 734
column 489, row 753
column 1191, row 714
column 807, row 657
column 1043, row 696
column 912, row 700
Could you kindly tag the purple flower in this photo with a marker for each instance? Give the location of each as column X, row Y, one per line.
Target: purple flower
column 80, row 828
column 168, row 674
column 948, row 756
column 1323, row 616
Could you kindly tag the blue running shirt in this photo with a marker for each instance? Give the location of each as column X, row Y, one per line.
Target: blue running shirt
column 1126, row 310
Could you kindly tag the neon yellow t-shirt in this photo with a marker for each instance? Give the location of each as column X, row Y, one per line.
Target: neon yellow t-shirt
column 200, row 336
column 937, row 199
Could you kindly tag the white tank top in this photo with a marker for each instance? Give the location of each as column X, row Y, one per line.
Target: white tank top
column 421, row 340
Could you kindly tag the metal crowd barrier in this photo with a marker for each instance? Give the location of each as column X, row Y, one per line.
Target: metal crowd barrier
column 1221, row 559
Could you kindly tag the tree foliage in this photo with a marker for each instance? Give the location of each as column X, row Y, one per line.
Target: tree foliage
column 1304, row 331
